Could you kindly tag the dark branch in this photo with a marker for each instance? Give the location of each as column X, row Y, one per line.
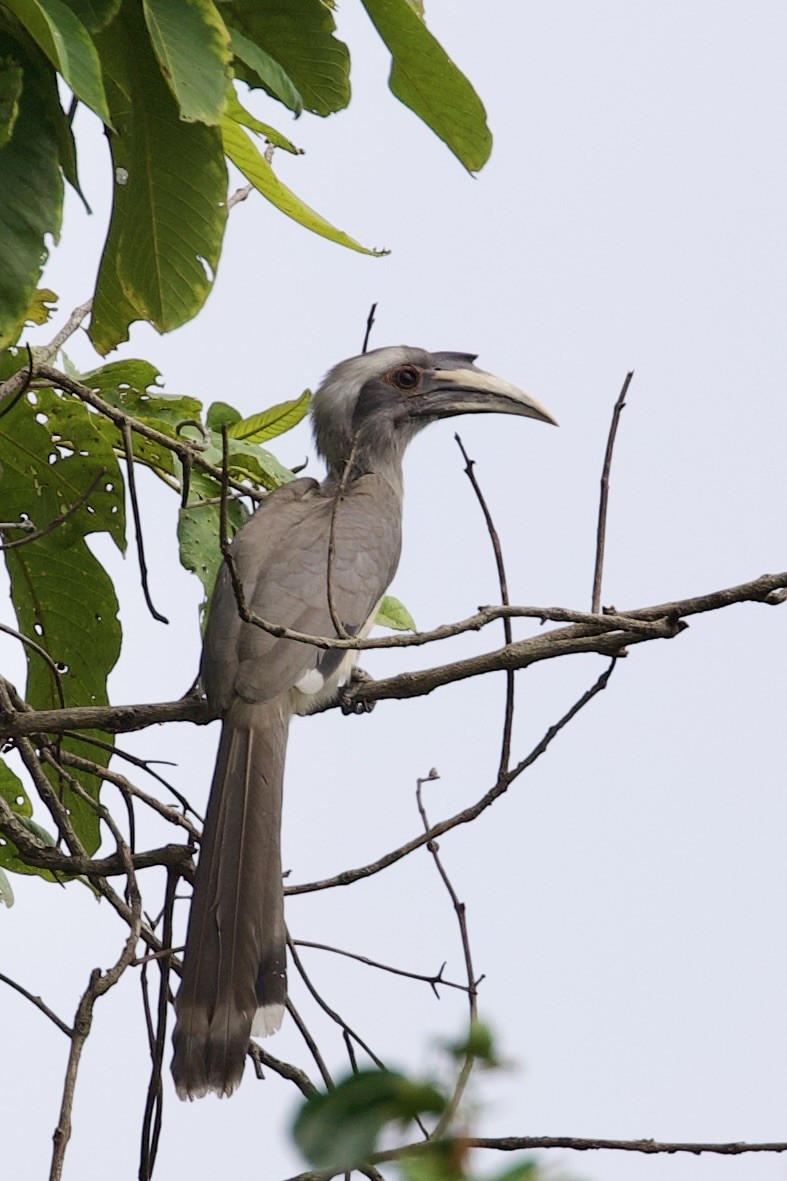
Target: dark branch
column 601, row 531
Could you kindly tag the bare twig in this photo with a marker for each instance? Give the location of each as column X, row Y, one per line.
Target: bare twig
column 39, row 1004
column 326, row 1008
column 69, row 328
column 154, row 1102
column 467, row 814
column 508, row 717
column 39, row 651
column 311, row 1044
column 335, row 619
column 601, row 532
column 128, row 448
column 459, row 909
column 99, row 984
column 433, row 981
column 238, row 196
column 369, row 326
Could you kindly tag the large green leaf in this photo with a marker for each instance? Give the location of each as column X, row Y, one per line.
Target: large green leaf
column 425, row 79
column 68, row 45
column 10, row 93
column 244, row 155
column 259, row 428
column 298, row 34
column 192, row 45
column 96, row 14
column 169, row 207
column 63, row 598
column 265, row 71
column 31, row 185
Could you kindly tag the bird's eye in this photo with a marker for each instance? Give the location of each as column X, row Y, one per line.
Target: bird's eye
column 407, row 378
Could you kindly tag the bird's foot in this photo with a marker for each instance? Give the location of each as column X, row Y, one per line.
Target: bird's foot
column 347, row 700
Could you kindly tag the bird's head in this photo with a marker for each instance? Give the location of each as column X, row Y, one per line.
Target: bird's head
column 385, row 397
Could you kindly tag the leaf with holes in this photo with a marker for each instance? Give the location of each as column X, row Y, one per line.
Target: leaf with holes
column 28, row 212
column 199, row 527
column 63, row 598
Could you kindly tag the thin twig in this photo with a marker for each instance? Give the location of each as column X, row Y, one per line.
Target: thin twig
column 369, row 326
column 326, row 1008
column 128, row 449
column 472, row 992
column 467, row 814
column 335, row 618
column 39, row 1004
column 311, row 1044
column 154, row 1102
column 42, row 652
column 508, row 717
column 433, row 981
column 98, row 985
column 601, row 531
column 59, row 520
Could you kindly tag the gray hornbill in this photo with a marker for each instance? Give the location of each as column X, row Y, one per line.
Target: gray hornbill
column 370, row 407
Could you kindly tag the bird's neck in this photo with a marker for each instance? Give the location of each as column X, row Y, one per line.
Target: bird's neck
column 386, row 465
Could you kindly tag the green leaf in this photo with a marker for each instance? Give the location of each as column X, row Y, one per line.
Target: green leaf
column 28, row 212
column 10, row 92
column 68, row 45
column 298, row 35
column 259, row 428
column 96, row 14
column 6, row 893
column 220, row 414
column 237, row 112
column 391, row 613
column 39, row 311
column 258, row 171
column 425, row 79
column 169, row 206
column 268, row 72
column 192, row 45
column 63, row 598
column 199, row 531
column 341, row 1128
column 248, row 461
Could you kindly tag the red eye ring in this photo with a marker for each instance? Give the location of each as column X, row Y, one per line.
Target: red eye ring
column 407, row 377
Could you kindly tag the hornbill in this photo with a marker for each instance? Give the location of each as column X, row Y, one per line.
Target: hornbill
column 364, row 414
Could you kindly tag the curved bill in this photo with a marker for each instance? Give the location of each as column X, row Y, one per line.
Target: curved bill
column 472, row 391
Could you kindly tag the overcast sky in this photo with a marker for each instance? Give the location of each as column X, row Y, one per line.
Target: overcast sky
column 627, row 901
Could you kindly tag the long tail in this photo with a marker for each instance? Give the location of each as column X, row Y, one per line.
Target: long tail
column 234, row 969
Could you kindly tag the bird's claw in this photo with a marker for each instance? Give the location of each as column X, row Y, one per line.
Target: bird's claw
column 347, row 699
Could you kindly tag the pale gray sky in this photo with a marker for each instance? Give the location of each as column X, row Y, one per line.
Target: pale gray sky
column 626, row 901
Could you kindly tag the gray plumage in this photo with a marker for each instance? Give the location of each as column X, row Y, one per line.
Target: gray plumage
column 234, row 974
